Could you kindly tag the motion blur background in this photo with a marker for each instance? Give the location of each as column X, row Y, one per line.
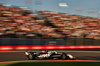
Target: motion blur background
column 49, row 22
column 77, row 7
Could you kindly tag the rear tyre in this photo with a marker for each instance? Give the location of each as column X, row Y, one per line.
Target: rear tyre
column 30, row 56
column 63, row 56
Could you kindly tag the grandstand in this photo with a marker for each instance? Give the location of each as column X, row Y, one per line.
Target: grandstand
column 73, row 25
column 21, row 22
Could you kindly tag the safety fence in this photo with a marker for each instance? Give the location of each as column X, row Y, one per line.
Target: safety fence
column 68, row 41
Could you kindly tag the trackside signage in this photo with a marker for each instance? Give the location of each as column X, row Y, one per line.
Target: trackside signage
column 49, row 47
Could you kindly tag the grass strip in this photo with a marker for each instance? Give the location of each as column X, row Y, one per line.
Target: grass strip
column 45, row 63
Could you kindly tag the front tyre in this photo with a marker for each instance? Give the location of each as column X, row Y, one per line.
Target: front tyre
column 63, row 56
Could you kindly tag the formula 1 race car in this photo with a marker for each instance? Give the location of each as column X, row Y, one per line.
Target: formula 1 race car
column 48, row 55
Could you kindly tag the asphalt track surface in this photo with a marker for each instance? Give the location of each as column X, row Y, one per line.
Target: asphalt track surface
column 20, row 56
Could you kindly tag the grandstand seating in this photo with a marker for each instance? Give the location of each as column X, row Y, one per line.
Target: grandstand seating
column 74, row 25
column 19, row 22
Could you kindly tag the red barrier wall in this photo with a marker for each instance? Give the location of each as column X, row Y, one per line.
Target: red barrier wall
column 49, row 47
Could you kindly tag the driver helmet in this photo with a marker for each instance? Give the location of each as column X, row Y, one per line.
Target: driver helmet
column 43, row 51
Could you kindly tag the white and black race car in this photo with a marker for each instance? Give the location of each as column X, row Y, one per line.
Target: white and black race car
column 48, row 55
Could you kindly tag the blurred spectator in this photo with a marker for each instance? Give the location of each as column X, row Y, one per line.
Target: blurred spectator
column 20, row 21
column 73, row 25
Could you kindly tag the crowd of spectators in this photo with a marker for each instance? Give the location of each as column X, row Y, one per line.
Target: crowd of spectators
column 21, row 22
column 74, row 25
